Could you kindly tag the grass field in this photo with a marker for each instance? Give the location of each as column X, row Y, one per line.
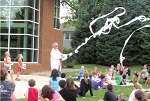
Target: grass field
column 98, row 94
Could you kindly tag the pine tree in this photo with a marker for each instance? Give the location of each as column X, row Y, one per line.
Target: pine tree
column 88, row 10
column 105, row 49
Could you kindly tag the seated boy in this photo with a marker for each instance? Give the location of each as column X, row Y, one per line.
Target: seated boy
column 109, row 95
column 63, row 75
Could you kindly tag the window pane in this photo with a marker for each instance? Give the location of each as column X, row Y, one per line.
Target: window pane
column 27, row 54
column 58, row 24
column 36, row 42
column 14, row 53
column 66, row 36
column 18, row 30
column 2, row 52
column 17, row 13
column 3, row 29
column 36, row 16
column 18, row 2
column 57, row 12
column 70, row 36
column 4, row 2
column 31, row 14
column 36, row 29
column 37, row 4
column 20, row 41
column 57, row 3
column 30, row 28
column 4, row 13
column 35, row 56
column 4, row 41
column 31, row 3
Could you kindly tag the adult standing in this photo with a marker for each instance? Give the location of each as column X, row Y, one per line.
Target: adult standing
column 55, row 57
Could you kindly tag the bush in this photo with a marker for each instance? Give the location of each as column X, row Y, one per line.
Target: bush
column 69, row 65
column 71, row 61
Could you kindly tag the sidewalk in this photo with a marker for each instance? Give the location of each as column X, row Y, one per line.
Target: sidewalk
column 22, row 85
column 41, row 78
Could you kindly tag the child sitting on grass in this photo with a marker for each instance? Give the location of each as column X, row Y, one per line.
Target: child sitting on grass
column 148, row 80
column 96, row 81
column 32, row 93
column 85, row 85
column 63, row 75
column 109, row 95
column 62, row 84
column 80, row 74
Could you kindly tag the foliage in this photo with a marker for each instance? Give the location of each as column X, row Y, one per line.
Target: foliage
column 72, row 16
column 88, row 10
column 105, row 49
column 69, row 63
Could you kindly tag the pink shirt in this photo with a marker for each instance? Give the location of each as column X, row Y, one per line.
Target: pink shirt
column 56, row 96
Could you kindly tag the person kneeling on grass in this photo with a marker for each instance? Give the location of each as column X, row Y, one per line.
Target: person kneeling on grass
column 85, row 85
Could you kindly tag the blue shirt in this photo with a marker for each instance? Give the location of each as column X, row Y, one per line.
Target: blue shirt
column 81, row 73
column 54, row 84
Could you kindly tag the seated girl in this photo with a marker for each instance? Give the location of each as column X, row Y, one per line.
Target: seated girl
column 111, row 79
column 96, row 81
column 48, row 94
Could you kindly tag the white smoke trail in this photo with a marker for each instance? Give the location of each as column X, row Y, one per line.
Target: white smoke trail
column 107, row 28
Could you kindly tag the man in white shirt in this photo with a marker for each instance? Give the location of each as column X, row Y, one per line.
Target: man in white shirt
column 55, row 57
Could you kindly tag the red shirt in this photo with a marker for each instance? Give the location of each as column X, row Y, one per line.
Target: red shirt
column 32, row 94
column 19, row 63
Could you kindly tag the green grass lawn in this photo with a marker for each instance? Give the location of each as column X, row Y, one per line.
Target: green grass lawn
column 98, row 94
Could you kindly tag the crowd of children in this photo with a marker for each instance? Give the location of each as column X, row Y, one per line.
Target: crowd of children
column 65, row 89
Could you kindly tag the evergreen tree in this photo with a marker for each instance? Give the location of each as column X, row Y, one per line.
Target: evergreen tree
column 109, row 50
column 88, row 10
column 105, row 49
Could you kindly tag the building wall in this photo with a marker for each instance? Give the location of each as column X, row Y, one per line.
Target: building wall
column 68, row 30
column 48, row 35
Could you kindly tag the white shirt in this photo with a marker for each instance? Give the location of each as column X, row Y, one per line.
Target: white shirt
column 95, row 79
column 55, row 57
column 132, row 94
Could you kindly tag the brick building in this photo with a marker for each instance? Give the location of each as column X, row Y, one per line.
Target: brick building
column 29, row 27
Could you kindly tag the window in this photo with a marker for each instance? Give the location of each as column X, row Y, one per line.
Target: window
column 19, row 29
column 67, row 36
column 56, row 14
